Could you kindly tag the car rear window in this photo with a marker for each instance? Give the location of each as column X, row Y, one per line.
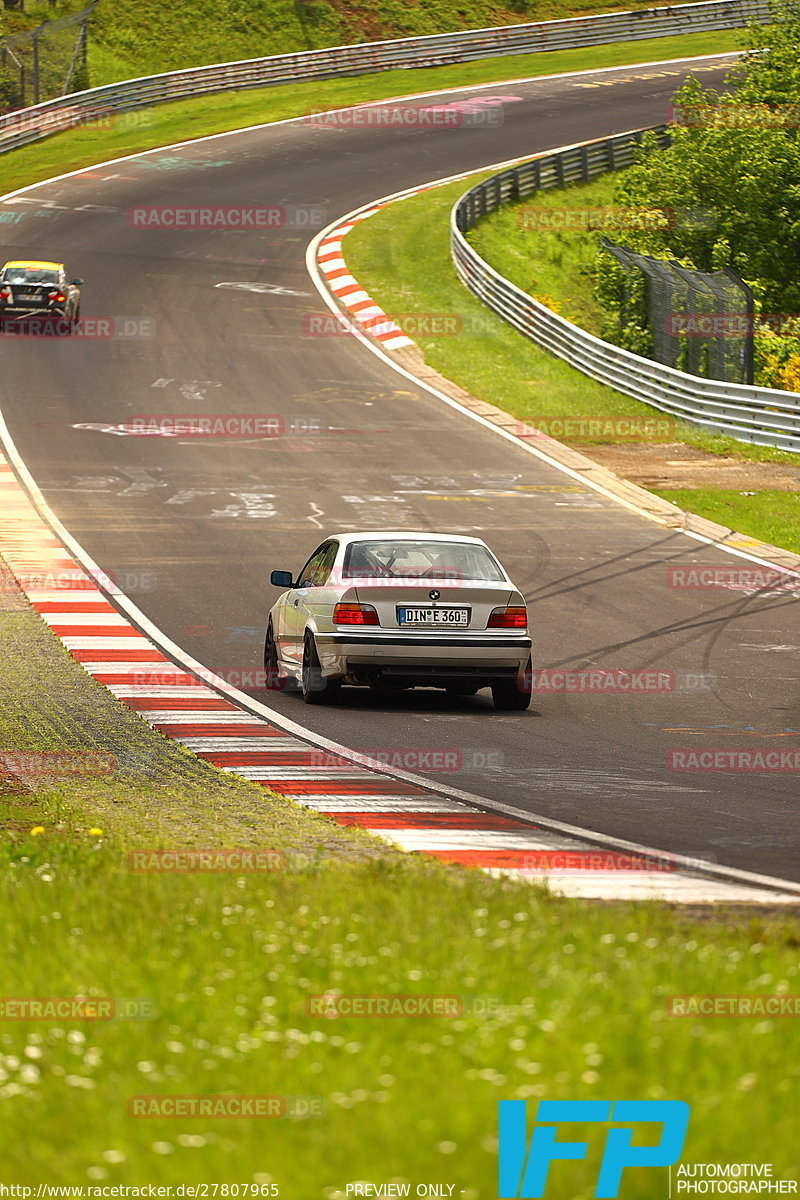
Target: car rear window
column 409, row 559
column 21, row 276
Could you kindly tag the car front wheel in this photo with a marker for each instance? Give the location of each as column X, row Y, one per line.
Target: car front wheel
column 272, row 678
column 315, row 687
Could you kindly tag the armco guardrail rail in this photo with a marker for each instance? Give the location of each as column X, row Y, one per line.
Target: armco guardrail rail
column 751, row 414
column 29, row 124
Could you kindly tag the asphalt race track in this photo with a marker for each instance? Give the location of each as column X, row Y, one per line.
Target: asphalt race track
column 191, row 527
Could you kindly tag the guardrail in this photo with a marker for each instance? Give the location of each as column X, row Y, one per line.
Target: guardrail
column 752, row 414
column 29, row 124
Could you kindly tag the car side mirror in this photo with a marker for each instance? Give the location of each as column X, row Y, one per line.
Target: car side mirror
column 281, row 579
column 76, row 282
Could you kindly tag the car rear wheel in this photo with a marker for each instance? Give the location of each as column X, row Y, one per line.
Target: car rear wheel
column 513, row 695
column 315, row 687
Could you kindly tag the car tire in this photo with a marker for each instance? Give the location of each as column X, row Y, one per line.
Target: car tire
column 272, row 674
column 513, row 695
column 316, row 689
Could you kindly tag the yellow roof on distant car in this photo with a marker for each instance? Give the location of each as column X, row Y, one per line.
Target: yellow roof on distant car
column 25, row 262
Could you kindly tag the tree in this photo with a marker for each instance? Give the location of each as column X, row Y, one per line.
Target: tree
column 735, row 161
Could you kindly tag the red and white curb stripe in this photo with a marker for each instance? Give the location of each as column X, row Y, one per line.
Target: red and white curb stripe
column 350, row 294
column 179, row 704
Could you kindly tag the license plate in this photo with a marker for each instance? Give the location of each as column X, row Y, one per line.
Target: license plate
column 433, row 616
column 26, row 296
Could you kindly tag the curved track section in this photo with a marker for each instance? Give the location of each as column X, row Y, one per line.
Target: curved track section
column 190, row 527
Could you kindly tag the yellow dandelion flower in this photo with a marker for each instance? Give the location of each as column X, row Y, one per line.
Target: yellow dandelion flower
column 95, row 832
column 37, row 829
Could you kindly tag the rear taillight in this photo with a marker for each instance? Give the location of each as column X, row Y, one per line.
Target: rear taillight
column 508, row 618
column 355, row 614
column 59, row 297
column 5, row 293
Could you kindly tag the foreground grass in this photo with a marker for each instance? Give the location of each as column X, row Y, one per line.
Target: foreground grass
column 572, row 1002
column 759, row 516
column 184, row 119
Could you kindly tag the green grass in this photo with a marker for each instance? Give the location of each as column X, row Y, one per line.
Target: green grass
column 166, row 123
column 766, row 515
column 229, row 963
column 555, row 265
column 142, row 37
column 136, row 37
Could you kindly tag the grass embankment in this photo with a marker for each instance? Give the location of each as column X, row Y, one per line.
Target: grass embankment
column 402, row 258
column 768, row 515
column 142, row 37
column 167, row 123
column 562, row 998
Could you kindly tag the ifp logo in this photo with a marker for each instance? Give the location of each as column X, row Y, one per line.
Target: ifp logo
column 524, row 1169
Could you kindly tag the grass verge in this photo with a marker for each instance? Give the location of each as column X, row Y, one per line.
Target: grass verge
column 759, row 515
column 556, row 1004
column 167, row 123
column 553, row 264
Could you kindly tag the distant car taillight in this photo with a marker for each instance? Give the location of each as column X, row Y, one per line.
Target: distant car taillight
column 508, row 618
column 355, row 614
column 5, row 293
column 59, row 297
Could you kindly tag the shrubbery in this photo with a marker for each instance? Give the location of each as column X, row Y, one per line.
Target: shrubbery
column 736, row 157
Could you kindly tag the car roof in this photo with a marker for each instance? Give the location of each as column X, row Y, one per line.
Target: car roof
column 402, row 535
column 33, row 262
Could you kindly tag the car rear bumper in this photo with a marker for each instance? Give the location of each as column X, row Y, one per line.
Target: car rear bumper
column 435, row 655
column 12, row 316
